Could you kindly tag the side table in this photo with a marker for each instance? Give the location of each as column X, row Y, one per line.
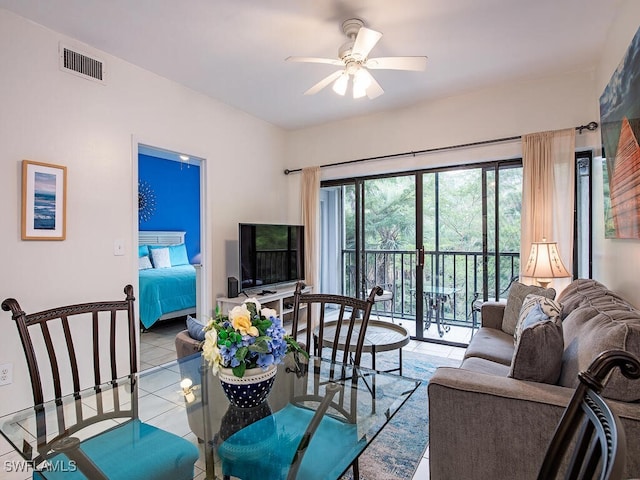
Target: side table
column 380, row 337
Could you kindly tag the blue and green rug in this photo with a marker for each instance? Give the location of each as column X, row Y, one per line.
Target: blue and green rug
column 396, row 452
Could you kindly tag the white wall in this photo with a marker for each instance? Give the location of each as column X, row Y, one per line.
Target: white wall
column 616, row 262
column 51, row 116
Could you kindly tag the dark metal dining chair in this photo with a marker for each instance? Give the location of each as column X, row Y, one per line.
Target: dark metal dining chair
column 349, row 315
column 589, row 441
column 87, row 353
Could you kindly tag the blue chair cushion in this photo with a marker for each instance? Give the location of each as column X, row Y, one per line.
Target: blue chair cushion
column 250, row 453
column 133, row 450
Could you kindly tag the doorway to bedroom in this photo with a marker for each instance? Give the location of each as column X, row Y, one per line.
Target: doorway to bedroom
column 170, row 248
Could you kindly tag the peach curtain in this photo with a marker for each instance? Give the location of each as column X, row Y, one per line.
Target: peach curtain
column 311, row 221
column 548, row 173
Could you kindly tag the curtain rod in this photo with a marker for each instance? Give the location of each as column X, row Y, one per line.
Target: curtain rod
column 591, row 126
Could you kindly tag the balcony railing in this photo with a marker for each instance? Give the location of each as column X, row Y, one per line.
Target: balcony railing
column 462, row 271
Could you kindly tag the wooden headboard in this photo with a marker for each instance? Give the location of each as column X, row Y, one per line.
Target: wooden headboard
column 160, row 237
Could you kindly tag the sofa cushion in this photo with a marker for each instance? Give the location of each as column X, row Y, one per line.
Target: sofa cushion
column 588, row 331
column 588, row 292
column 482, row 365
column 543, row 306
column 491, row 344
column 517, row 293
column 538, row 353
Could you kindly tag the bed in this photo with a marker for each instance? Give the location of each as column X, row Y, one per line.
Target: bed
column 167, row 280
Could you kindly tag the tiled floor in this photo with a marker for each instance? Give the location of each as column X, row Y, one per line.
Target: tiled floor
column 157, row 348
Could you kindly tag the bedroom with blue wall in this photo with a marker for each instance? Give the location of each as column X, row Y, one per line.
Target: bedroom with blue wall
column 172, row 191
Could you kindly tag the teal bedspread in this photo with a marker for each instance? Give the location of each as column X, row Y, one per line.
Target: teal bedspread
column 165, row 290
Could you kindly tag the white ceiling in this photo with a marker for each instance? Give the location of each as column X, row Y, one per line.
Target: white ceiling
column 234, row 50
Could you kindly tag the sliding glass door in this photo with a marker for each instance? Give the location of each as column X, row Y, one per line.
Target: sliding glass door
column 436, row 239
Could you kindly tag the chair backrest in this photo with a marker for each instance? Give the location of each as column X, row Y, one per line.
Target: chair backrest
column 347, row 315
column 73, row 353
column 81, row 341
column 590, row 436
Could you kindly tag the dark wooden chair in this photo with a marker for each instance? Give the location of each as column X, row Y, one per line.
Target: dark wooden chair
column 320, row 411
column 349, row 315
column 590, row 436
column 87, row 353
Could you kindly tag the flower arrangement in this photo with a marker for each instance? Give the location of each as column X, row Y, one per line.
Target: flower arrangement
column 250, row 336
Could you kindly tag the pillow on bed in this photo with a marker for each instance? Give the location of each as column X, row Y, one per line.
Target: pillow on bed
column 144, row 263
column 143, row 251
column 195, row 328
column 160, row 257
column 178, row 255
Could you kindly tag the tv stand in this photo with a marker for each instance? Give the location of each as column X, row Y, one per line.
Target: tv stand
column 278, row 298
column 268, row 292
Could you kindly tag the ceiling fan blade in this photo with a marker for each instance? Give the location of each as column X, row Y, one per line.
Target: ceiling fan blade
column 365, row 41
column 330, row 61
column 323, row 83
column 416, row 64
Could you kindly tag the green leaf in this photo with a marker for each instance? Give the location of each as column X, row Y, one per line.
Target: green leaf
column 239, row 370
column 260, row 345
column 241, row 353
column 294, row 346
column 262, row 325
column 252, row 308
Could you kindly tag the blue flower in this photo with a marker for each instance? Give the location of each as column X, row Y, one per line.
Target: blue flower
column 265, row 359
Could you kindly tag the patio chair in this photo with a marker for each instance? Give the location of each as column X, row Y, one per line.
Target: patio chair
column 386, row 296
column 90, row 349
column 590, row 436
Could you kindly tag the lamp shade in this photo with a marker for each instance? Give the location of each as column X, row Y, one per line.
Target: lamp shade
column 544, row 262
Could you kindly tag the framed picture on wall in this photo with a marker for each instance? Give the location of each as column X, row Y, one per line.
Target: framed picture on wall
column 620, row 128
column 44, row 201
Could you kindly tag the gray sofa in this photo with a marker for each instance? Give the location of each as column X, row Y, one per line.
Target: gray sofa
column 485, row 424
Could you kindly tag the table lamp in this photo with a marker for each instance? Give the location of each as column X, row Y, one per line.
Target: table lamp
column 544, row 263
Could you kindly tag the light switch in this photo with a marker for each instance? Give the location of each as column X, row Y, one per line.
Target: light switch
column 118, row 247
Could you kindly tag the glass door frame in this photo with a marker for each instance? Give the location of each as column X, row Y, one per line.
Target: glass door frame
column 418, row 175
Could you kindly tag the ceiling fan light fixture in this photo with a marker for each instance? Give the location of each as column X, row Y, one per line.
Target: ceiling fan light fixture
column 340, row 85
column 358, row 91
column 361, row 82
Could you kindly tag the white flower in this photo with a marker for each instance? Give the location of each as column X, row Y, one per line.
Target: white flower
column 210, row 350
column 268, row 312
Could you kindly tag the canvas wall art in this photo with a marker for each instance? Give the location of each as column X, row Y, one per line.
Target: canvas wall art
column 44, row 199
column 620, row 127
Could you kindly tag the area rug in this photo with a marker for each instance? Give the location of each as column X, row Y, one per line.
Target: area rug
column 396, row 452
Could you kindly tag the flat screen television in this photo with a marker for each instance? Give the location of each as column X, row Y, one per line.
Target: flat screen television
column 270, row 254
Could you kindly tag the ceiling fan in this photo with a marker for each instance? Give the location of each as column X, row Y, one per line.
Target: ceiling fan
column 355, row 62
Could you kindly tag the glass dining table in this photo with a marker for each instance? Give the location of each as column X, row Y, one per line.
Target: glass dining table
column 231, row 440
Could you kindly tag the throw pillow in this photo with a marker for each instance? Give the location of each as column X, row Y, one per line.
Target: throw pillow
column 144, row 263
column 517, row 293
column 143, row 250
column 161, row 258
column 538, row 353
column 178, row 255
column 548, row 307
column 195, row 328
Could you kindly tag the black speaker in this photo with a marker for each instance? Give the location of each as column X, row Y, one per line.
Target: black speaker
column 232, row 287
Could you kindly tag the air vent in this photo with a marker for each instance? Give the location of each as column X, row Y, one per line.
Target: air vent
column 82, row 64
